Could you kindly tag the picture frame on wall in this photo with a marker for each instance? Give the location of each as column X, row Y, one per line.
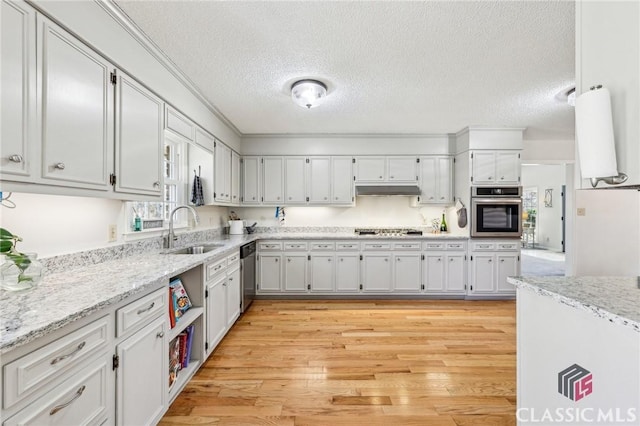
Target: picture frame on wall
column 548, row 197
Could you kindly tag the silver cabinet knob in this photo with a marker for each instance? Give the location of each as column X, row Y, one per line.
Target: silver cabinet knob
column 442, row 198
column 451, row 260
column 380, row 177
column 325, row 198
column 341, row 260
column 336, row 198
column 502, row 178
column 59, row 166
column 490, row 177
column 289, row 197
column 439, row 259
column 490, row 260
column 328, row 260
column 253, row 198
column 431, row 198
column 160, row 334
column 276, row 259
column 16, row 158
column 398, row 259
column 156, row 184
column 501, row 260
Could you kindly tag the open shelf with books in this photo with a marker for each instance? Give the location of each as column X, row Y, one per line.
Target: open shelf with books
column 186, row 337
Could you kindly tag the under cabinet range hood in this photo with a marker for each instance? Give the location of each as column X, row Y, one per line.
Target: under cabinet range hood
column 410, row 190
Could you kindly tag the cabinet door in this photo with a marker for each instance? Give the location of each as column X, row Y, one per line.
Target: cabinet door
column 216, row 296
column 235, row 178
column 435, row 274
column 18, row 145
column 320, row 180
column 138, row 138
column 295, row 272
column 444, row 180
column 342, row 180
column 223, row 173
column 142, row 378
column 483, row 167
column 272, row 169
column 371, row 169
column 483, row 274
column 200, row 161
column 250, row 180
column 322, row 272
column 76, row 110
column 456, row 273
column 376, row 272
column 348, row 273
column 233, row 297
column 407, row 275
column 507, row 167
column 295, row 180
column 205, row 140
column 269, row 272
column 429, row 180
column 402, row 169
column 508, row 266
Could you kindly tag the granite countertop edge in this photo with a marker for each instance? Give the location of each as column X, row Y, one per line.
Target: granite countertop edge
column 82, row 291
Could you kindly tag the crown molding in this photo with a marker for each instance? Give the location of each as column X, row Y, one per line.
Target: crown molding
column 346, row 135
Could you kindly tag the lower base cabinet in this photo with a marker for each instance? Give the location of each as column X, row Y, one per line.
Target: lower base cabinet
column 407, row 271
column 492, row 261
column 321, row 272
column 216, row 312
column 347, row 273
column 376, row 272
column 142, row 375
column 269, row 273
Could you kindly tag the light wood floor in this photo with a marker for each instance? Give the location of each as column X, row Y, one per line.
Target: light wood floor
column 359, row 363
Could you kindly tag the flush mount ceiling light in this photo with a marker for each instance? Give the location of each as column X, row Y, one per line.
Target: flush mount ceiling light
column 308, row 93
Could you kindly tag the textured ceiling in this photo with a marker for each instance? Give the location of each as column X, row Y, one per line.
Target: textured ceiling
column 390, row 66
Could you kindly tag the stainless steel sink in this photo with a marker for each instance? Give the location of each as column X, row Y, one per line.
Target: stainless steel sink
column 199, row 249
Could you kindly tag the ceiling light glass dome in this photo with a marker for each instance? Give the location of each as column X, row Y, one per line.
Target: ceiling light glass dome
column 308, row 93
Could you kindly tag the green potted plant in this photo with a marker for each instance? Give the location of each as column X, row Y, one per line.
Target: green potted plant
column 18, row 271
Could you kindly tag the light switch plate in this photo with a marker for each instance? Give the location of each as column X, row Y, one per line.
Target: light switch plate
column 113, row 233
column 581, row 211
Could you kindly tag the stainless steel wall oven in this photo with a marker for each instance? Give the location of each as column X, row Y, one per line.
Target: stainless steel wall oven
column 496, row 212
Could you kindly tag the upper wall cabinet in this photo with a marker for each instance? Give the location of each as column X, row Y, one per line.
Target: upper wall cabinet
column 319, row 180
column 272, row 180
column 386, row 169
column 342, row 180
column 18, row 151
column 499, row 167
column 223, row 173
column 436, row 180
column 295, row 180
column 235, row 178
column 250, row 181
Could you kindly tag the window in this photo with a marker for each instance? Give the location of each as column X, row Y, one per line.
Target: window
column 155, row 214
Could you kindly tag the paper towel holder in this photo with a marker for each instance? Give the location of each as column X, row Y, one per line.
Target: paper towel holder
column 597, row 133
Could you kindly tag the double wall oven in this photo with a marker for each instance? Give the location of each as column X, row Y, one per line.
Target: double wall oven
column 496, row 212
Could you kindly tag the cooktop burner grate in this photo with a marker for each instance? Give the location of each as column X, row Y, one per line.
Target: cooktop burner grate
column 388, row 231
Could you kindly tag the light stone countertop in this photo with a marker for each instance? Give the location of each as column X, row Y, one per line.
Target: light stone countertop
column 615, row 299
column 81, row 289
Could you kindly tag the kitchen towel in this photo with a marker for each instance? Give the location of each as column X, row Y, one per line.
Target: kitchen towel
column 197, row 195
column 462, row 213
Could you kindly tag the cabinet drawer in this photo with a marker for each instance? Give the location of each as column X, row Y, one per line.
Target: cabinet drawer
column 323, row 246
column 348, row 246
column 295, row 246
column 233, row 259
column 478, row 246
column 80, row 400
column 216, row 267
column 434, row 246
column 377, row 246
column 29, row 373
column 142, row 310
column 509, row 246
column 407, row 246
column 456, row 246
column 179, row 124
column 272, row 246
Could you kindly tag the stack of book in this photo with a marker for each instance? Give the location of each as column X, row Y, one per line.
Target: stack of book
column 179, row 301
column 179, row 353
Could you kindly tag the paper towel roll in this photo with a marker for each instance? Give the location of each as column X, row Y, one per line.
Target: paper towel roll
column 594, row 134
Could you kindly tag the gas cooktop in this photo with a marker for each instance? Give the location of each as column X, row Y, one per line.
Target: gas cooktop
column 388, row 232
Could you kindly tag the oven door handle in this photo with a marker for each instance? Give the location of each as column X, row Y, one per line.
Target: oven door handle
column 496, row 200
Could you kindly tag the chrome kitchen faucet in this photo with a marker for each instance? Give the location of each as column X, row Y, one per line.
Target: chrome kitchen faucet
column 171, row 237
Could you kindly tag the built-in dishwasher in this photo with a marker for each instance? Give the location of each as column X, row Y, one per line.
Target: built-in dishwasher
column 248, row 274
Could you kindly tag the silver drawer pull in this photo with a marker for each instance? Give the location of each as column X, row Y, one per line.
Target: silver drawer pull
column 78, row 394
column 16, row 158
column 63, row 357
column 406, row 245
column 377, row 246
column 142, row 311
column 59, row 166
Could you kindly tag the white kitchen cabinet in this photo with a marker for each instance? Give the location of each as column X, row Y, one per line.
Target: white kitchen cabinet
column 269, row 272
column 216, row 298
column 273, row 180
column 235, row 178
column 320, row 180
column 204, row 139
column 222, row 155
column 456, row 269
column 402, row 169
column 251, row 181
column 139, row 138
column 492, row 261
column 76, row 111
column 501, row 167
column 200, row 161
column 322, row 272
column 347, row 272
column 295, row 180
column 142, row 375
column 295, row 272
column 180, row 125
column 370, row 169
column 342, row 180
column 436, row 180
column 483, row 273
column 376, row 272
column 233, row 294
column 407, row 272
column 508, row 265
column 19, row 151
column 435, row 273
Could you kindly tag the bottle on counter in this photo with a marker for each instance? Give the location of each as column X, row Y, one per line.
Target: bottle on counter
column 443, row 223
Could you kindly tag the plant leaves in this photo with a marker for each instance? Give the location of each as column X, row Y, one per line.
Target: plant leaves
column 5, row 235
column 5, row 246
column 21, row 260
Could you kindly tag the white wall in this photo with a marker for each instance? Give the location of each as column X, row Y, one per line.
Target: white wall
column 548, row 151
column 608, row 53
column 51, row 224
column 548, row 219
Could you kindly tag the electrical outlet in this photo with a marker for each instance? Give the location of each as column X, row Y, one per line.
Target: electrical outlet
column 581, row 211
column 113, row 233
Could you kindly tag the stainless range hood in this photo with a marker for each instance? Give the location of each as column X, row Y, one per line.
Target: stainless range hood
column 409, row 190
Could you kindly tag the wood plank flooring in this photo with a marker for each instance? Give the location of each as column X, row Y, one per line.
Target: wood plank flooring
column 369, row 362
